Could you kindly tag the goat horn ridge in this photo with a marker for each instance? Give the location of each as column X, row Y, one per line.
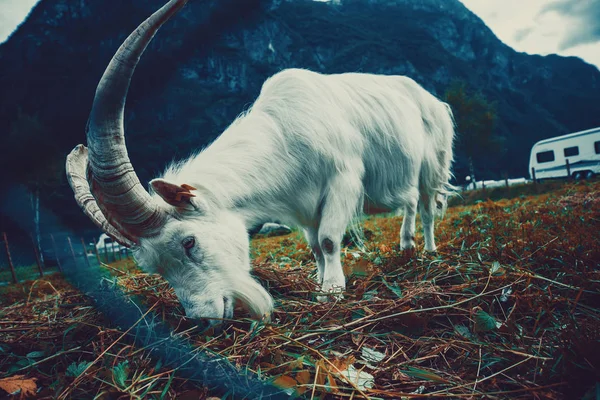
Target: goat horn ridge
column 76, row 169
column 120, row 196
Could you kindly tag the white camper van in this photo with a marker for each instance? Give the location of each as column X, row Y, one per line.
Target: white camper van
column 105, row 243
column 582, row 150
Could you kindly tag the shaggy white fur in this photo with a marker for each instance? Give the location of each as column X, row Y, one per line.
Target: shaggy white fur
column 313, row 151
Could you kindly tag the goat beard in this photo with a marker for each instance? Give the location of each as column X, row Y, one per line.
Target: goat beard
column 253, row 297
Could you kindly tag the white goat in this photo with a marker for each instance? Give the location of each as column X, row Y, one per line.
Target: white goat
column 314, row 151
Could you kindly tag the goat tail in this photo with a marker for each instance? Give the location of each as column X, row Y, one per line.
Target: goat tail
column 442, row 196
column 436, row 173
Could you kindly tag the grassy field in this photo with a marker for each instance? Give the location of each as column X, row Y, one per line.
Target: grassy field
column 26, row 272
column 508, row 308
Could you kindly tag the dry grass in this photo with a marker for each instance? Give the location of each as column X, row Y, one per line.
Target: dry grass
column 509, row 307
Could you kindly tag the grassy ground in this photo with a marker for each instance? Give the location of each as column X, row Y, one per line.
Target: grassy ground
column 471, row 197
column 509, row 307
column 23, row 273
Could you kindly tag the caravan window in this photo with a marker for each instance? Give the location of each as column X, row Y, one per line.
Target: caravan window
column 571, row 151
column 545, row 156
column 597, row 147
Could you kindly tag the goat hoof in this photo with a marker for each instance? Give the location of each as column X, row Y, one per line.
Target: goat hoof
column 407, row 242
column 327, row 297
column 330, row 290
column 407, row 245
column 408, row 251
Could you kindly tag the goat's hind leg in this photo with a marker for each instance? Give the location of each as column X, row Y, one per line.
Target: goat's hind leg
column 407, row 231
column 339, row 207
column 427, row 207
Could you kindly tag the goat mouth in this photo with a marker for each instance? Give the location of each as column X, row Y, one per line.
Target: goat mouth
column 217, row 325
column 208, row 325
column 252, row 297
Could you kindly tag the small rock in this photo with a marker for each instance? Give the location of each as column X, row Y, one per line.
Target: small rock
column 273, row 229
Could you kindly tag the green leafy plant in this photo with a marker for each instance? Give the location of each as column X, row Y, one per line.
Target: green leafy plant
column 75, row 369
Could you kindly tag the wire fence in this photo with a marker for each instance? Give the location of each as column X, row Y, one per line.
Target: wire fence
column 25, row 256
column 78, row 257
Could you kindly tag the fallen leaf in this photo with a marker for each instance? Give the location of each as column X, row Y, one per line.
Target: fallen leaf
column 506, row 292
column 371, row 355
column 341, row 363
column 303, row 377
column 322, row 372
column 285, row 382
column 496, row 269
column 384, row 249
column 361, row 268
column 363, row 380
column 267, row 366
column 393, row 287
column 485, row 322
column 296, row 364
column 463, row 331
column 18, row 383
column 331, row 385
column 422, row 374
column 35, row 354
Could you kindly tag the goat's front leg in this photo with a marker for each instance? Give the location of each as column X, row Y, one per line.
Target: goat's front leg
column 312, row 237
column 339, row 207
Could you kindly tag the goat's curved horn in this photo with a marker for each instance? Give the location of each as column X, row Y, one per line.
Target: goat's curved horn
column 76, row 167
column 113, row 181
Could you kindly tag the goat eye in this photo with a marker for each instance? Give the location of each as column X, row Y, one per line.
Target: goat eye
column 188, row 242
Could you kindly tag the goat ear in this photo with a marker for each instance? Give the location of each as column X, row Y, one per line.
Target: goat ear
column 179, row 196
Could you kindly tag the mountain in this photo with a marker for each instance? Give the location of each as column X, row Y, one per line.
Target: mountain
column 207, row 64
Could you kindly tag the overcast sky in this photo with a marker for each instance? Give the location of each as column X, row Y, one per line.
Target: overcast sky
column 566, row 27
column 12, row 13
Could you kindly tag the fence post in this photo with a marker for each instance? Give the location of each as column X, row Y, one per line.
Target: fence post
column 72, row 251
column 85, row 254
column 105, row 253
column 97, row 254
column 10, row 264
column 56, row 253
column 506, row 180
column 568, row 169
column 533, row 175
column 37, row 256
column 118, row 251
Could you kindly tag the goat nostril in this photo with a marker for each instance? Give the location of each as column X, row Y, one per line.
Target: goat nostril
column 202, row 325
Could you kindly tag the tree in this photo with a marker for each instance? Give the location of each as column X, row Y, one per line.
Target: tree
column 475, row 119
column 34, row 160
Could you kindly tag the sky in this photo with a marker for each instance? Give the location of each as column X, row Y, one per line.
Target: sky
column 12, row 13
column 565, row 27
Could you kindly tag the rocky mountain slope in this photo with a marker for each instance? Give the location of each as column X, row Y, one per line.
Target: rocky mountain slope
column 207, row 64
